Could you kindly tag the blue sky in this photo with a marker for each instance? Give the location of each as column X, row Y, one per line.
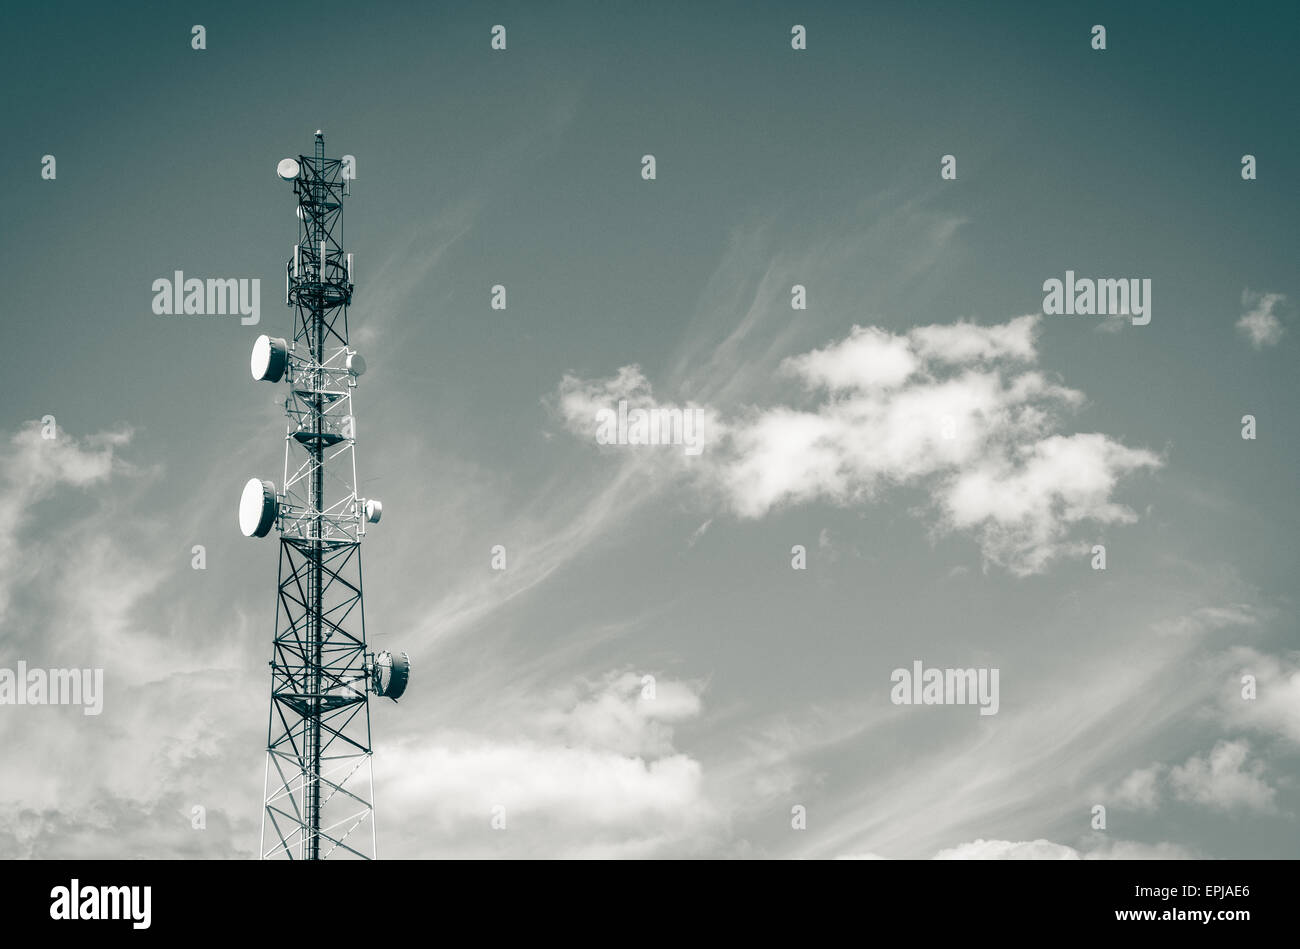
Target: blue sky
column 774, row 167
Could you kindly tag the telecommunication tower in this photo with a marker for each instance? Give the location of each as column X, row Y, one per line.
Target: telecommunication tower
column 319, row 781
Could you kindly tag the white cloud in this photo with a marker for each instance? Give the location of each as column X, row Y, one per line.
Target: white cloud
column 590, row 771
column 1275, row 709
column 1084, row 715
column 79, row 580
column 952, row 408
column 1223, row 779
column 1140, row 790
column 34, row 468
column 1025, row 503
column 1041, row 849
column 1208, row 619
column 1007, row 850
column 1131, row 850
column 630, row 714
column 581, row 401
column 1259, row 323
column 579, row 786
column 868, row 358
column 964, row 342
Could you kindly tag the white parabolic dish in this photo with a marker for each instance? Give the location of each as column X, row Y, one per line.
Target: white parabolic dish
column 287, row 169
column 257, row 508
column 270, row 356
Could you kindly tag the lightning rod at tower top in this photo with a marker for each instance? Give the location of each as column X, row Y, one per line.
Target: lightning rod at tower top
column 319, row 781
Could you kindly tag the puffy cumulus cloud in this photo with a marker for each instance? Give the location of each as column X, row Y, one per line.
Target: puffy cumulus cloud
column 574, row 785
column 1132, row 850
column 1023, row 502
column 33, row 468
column 580, row 400
column 1259, row 324
column 76, row 582
column 1140, row 790
column 591, row 771
column 1008, row 850
column 867, row 358
column 1225, row 779
column 956, row 409
column 849, row 448
column 75, row 585
column 109, row 827
column 35, row 465
column 629, row 713
column 968, row 342
column 1041, row 849
column 871, row 358
column 1275, row 709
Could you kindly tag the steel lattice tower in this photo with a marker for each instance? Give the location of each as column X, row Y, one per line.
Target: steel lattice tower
column 319, row 782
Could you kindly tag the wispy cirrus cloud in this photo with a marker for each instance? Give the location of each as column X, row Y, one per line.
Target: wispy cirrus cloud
column 1030, row 768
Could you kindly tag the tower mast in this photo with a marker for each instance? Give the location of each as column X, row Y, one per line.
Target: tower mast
column 319, row 785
